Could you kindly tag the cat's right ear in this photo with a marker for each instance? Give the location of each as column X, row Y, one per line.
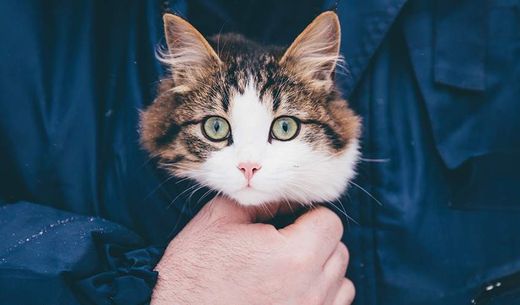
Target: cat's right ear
column 189, row 55
column 314, row 54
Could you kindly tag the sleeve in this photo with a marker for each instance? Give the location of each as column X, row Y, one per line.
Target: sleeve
column 48, row 256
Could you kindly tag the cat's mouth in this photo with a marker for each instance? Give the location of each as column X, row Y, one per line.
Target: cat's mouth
column 248, row 187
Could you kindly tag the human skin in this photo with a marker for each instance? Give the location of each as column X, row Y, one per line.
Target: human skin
column 223, row 257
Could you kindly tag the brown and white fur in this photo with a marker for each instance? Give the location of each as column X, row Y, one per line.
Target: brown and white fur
column 251, row 85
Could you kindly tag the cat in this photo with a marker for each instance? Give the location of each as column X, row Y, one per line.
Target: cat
column 258, row 124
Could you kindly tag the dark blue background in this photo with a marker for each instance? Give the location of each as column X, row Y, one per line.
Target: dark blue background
column 85, row 213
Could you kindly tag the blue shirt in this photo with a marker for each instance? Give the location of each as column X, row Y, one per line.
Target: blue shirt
column 85, row 213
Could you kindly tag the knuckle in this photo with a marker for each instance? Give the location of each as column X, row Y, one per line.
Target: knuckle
column 333, row 223
column 301, row 259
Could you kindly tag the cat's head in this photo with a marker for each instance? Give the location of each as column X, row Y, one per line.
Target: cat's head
column 258, row 124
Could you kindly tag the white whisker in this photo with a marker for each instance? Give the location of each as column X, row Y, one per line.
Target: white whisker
column 366, row 192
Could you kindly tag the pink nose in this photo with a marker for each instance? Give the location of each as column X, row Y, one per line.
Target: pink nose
column 249, row 169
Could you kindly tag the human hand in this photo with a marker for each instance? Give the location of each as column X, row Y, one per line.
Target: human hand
column 222, row 257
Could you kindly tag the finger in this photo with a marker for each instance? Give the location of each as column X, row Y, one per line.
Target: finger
column 225, row 210
column 334, row 271
column 336, row 266
column 318, row 230
column 332, row 293
column 346, row 293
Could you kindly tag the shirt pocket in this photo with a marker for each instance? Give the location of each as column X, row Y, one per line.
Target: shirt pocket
column 460, row 47
column 472, row 38
column 474, row 99
column 469, row 75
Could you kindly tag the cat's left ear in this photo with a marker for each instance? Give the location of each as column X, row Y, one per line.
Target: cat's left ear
column 315, row 52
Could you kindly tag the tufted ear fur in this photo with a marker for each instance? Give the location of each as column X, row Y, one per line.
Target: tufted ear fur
column 189, row 54
column 315, row 52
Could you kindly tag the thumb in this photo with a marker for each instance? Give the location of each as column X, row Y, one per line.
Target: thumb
column 225, row 210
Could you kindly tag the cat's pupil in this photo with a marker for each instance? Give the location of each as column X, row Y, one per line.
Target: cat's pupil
column 216, row 126
column 285, row 127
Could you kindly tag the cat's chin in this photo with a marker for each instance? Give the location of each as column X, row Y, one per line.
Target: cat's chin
column 251, row 197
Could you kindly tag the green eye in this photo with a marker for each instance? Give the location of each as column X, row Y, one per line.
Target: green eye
column 285, row 128
column 216, row 128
